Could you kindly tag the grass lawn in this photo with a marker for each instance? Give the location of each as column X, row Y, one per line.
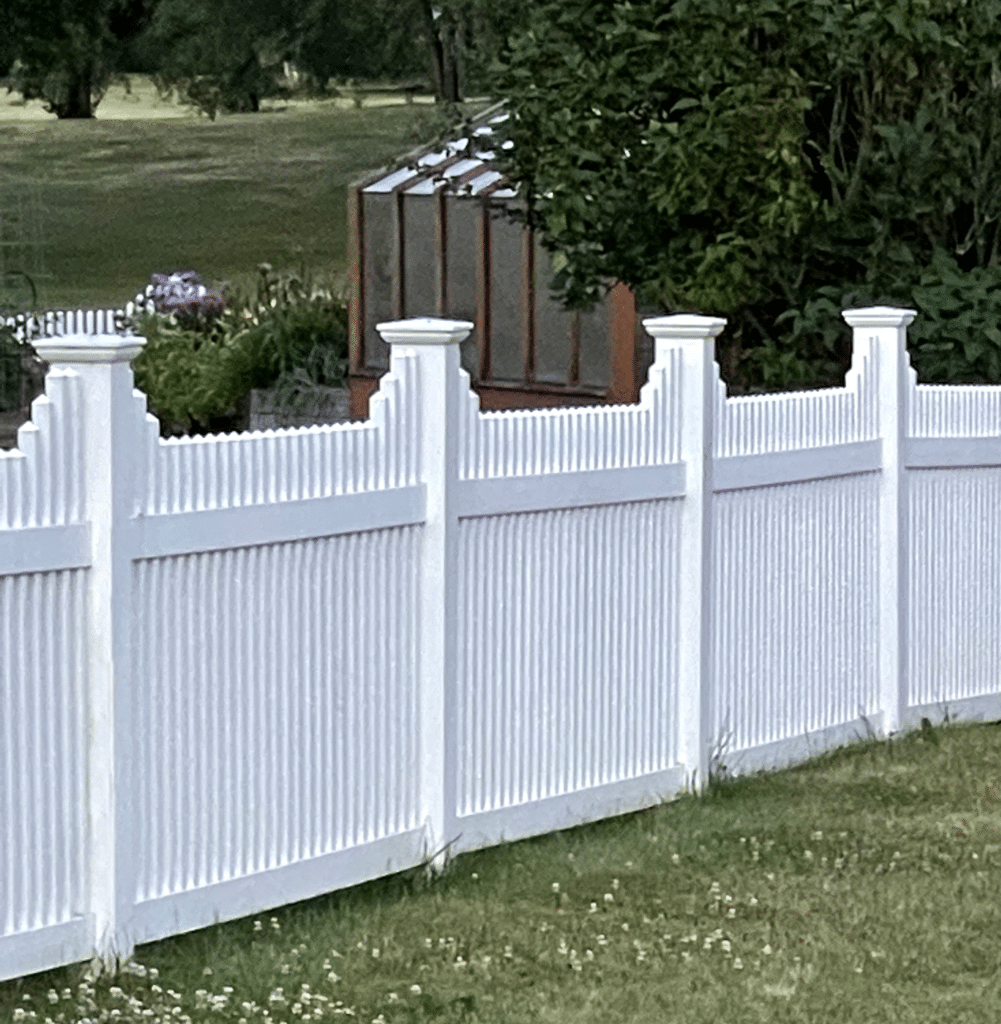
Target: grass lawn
column 864, row 886
column 149, row 186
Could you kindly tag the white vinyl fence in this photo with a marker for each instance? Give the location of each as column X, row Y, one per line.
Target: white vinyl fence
column 239, row 671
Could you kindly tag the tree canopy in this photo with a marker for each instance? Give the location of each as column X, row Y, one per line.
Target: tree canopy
column 771, row 161
column 224, row 54
column 65, row 51
column 228, row 54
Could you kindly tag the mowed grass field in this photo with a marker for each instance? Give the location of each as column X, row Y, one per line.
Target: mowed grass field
column 862, row 888
column 148, row 185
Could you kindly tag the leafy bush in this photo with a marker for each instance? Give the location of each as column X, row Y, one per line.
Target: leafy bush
column 763, row 162
column 197, row 380
column 957, row 338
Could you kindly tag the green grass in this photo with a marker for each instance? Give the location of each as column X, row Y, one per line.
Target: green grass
column 863, row 886
column 147, row 187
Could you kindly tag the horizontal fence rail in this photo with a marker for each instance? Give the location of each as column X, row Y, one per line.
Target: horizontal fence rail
column 243, row 670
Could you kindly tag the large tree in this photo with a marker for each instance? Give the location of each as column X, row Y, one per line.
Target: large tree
column 767, row 160
column 224, row 54
column 450, row 41
column 66, row 51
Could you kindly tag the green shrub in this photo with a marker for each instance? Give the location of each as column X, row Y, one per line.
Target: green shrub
column 197, row 380
column 762, row 162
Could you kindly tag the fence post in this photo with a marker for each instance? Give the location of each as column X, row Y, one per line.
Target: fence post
column 885, row 330
column 695, row 336
column 110, row 461
column 436, row 344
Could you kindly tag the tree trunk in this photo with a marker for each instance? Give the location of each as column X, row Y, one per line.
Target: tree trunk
column 451, row 92
column 78, row 102
column 442, row 42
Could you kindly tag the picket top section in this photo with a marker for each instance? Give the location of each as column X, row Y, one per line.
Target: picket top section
column 194, row 474
column 546, row 442
column 41, row 480
column 955, row 410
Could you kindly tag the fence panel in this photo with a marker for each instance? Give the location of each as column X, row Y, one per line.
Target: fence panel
column 794, row 578
column 43, row 629
column 274, row 707
column 954, row 597
column 568, row 581
column 567, row 682
column 275, row 651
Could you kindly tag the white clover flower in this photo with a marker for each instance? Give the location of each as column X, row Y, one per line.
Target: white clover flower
column 609, row 898
column 416, row 989
column 767, row 950
column 675, row 859
column 615, row 884
column 737, row 964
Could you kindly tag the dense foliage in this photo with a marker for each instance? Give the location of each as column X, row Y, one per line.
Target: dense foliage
column 773, row 161
column 197, row 374
column 66, row 52
column 229, row 55
column 224, row 54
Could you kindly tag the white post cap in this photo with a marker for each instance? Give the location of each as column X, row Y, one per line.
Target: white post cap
column 424, row 331
column 89, row 348
column 684, row 325
column 879, row 316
